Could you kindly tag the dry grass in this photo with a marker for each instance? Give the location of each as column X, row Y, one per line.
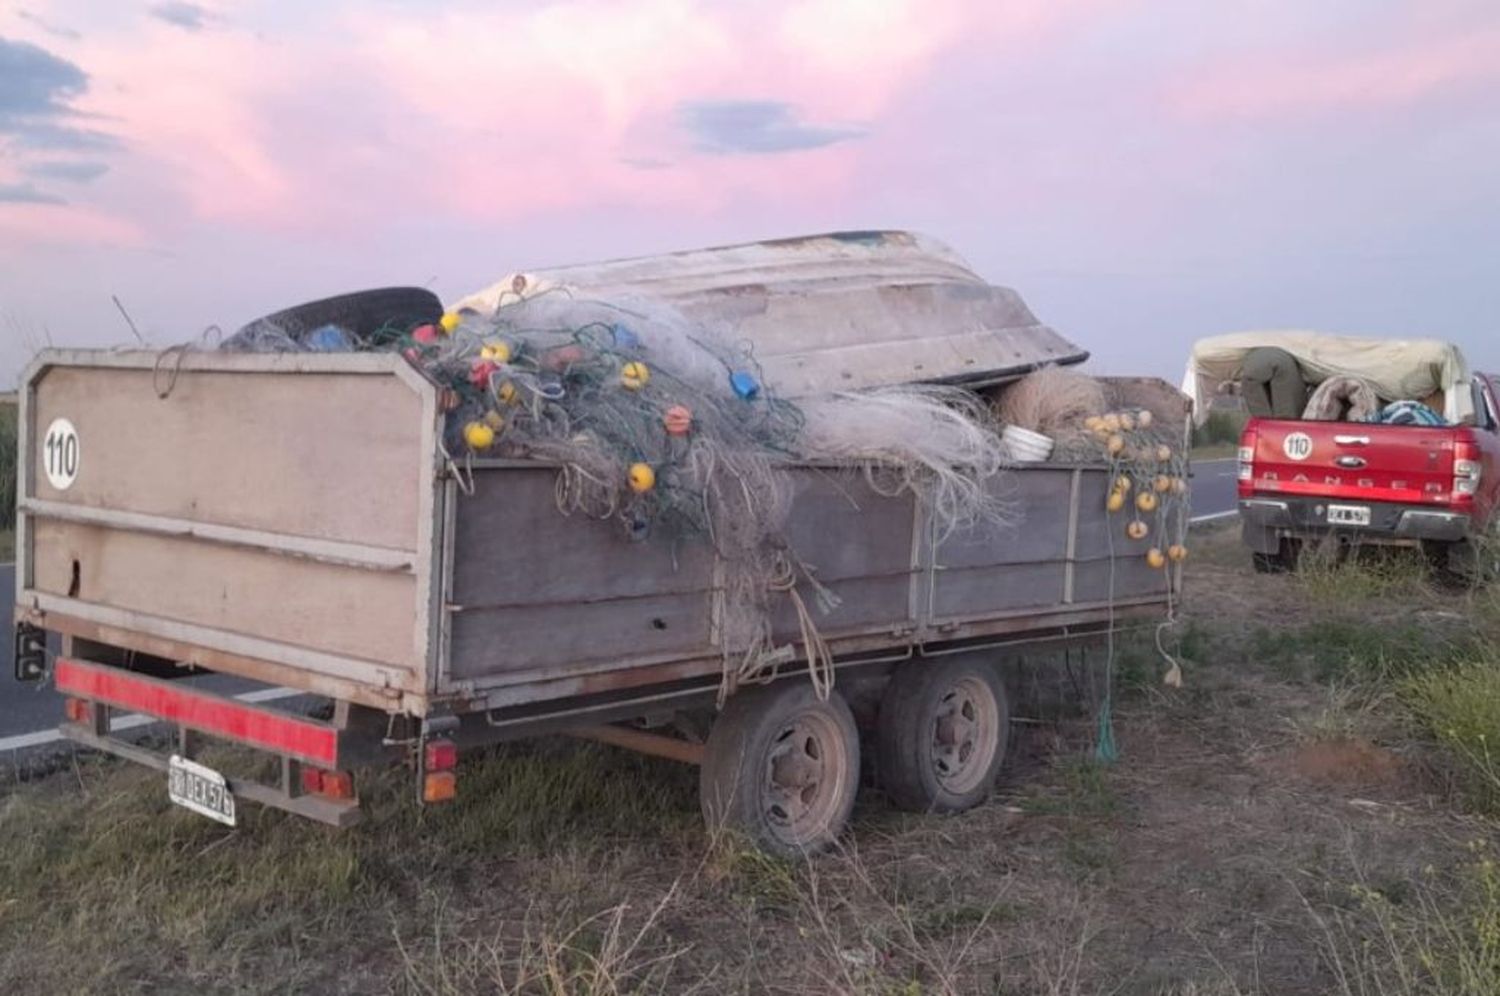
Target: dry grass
column 8, row 448
column 1437, row 936
column 1235, row 849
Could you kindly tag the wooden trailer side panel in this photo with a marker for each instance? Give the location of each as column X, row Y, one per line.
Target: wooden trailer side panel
column 534, row 589
column 858, row 544
column 539, row 599
column 1108, row 565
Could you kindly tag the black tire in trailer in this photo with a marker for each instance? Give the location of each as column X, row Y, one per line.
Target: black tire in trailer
column 782, row 767
column 943, row 734
column 362, row 314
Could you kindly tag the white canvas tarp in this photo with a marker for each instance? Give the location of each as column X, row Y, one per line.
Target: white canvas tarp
column 1398, row 369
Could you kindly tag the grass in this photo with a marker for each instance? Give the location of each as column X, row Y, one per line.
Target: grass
column 610, row 952
column 1433, row 652
column 104, row 869
column 1343, row 649
column 7, row 481
column 1219, row 430
column 7, row 464
column 1460, row 707
column 1341, row 579
column 1200, row 863
column 1440, row 937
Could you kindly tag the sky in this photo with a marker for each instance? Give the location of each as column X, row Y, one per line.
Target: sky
column 1143, row 172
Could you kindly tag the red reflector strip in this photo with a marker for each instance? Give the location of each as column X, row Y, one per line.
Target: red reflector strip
column 202, row 711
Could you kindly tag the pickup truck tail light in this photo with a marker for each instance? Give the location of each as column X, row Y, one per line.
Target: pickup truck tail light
column 1468, row 470
column 1249, row 440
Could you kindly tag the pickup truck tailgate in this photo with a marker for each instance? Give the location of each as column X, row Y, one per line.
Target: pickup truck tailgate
column 265, row 515
column 1367, row 462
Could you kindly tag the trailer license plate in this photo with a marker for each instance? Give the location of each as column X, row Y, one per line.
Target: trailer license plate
column 199, row 788
column 1348, row 515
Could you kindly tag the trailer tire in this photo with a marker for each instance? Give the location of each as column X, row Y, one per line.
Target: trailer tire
column 782, row 767
column 944, row 733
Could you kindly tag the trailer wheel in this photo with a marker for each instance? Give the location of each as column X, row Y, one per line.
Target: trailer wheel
column 782, row 766
column 944, row 731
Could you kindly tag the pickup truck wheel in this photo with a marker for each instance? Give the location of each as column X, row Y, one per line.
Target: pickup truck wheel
column 1283, row 561
column 944, row 731
column 782, row 767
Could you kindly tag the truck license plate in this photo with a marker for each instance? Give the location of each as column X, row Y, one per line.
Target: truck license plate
column 1348, row 515
column 199, row 788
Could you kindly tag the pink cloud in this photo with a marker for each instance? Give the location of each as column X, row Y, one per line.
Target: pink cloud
column 1268, row 86
column 190, row 109
column 30, row 225
column 500, row 113
column 548, row 109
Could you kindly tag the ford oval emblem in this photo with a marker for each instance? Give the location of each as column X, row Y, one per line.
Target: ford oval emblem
column 1351, row 462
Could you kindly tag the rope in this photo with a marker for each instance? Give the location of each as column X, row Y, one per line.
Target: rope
column 1106, row 751
column 178, row 352
column 571, row 492
column 761, row 663
column 819, row 657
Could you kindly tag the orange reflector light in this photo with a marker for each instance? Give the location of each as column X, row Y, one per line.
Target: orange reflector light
column 331, row 784
column 78, row 711
column 338, row 785
column 312, row 781
column 439, row 786
column 442, row 755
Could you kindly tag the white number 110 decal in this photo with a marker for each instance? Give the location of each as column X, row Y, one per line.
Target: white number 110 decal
column 60, row 454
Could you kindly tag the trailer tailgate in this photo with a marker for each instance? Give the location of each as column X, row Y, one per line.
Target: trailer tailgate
column 265, row 515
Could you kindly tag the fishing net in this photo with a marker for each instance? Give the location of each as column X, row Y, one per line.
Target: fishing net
column 665, row 426
column 1056, row 402
column 935, row 442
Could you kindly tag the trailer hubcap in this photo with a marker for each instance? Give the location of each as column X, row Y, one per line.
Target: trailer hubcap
column 965, row 735
column 804, row 774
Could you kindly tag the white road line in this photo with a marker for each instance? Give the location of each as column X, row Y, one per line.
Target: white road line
column 21, row 741
column 1213, row 517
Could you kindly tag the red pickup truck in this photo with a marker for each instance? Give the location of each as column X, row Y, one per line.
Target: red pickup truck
column 1405, row 485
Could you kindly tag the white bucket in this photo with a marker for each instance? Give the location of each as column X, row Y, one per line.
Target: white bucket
column 1026, row 446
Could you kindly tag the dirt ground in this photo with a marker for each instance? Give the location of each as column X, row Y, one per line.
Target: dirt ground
column 1225, row 852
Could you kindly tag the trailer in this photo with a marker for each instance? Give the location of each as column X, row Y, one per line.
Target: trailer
column 293, row 520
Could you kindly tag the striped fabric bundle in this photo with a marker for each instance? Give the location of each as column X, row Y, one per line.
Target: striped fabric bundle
column 1408, row 413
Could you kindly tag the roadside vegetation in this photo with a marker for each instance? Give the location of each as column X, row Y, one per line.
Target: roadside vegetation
column 1219, row 436
column 1312, row 812
column 7, row 480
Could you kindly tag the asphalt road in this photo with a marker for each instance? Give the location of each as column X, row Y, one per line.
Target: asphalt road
column 23, row 707
column 1215, row 487
column 30, row 712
